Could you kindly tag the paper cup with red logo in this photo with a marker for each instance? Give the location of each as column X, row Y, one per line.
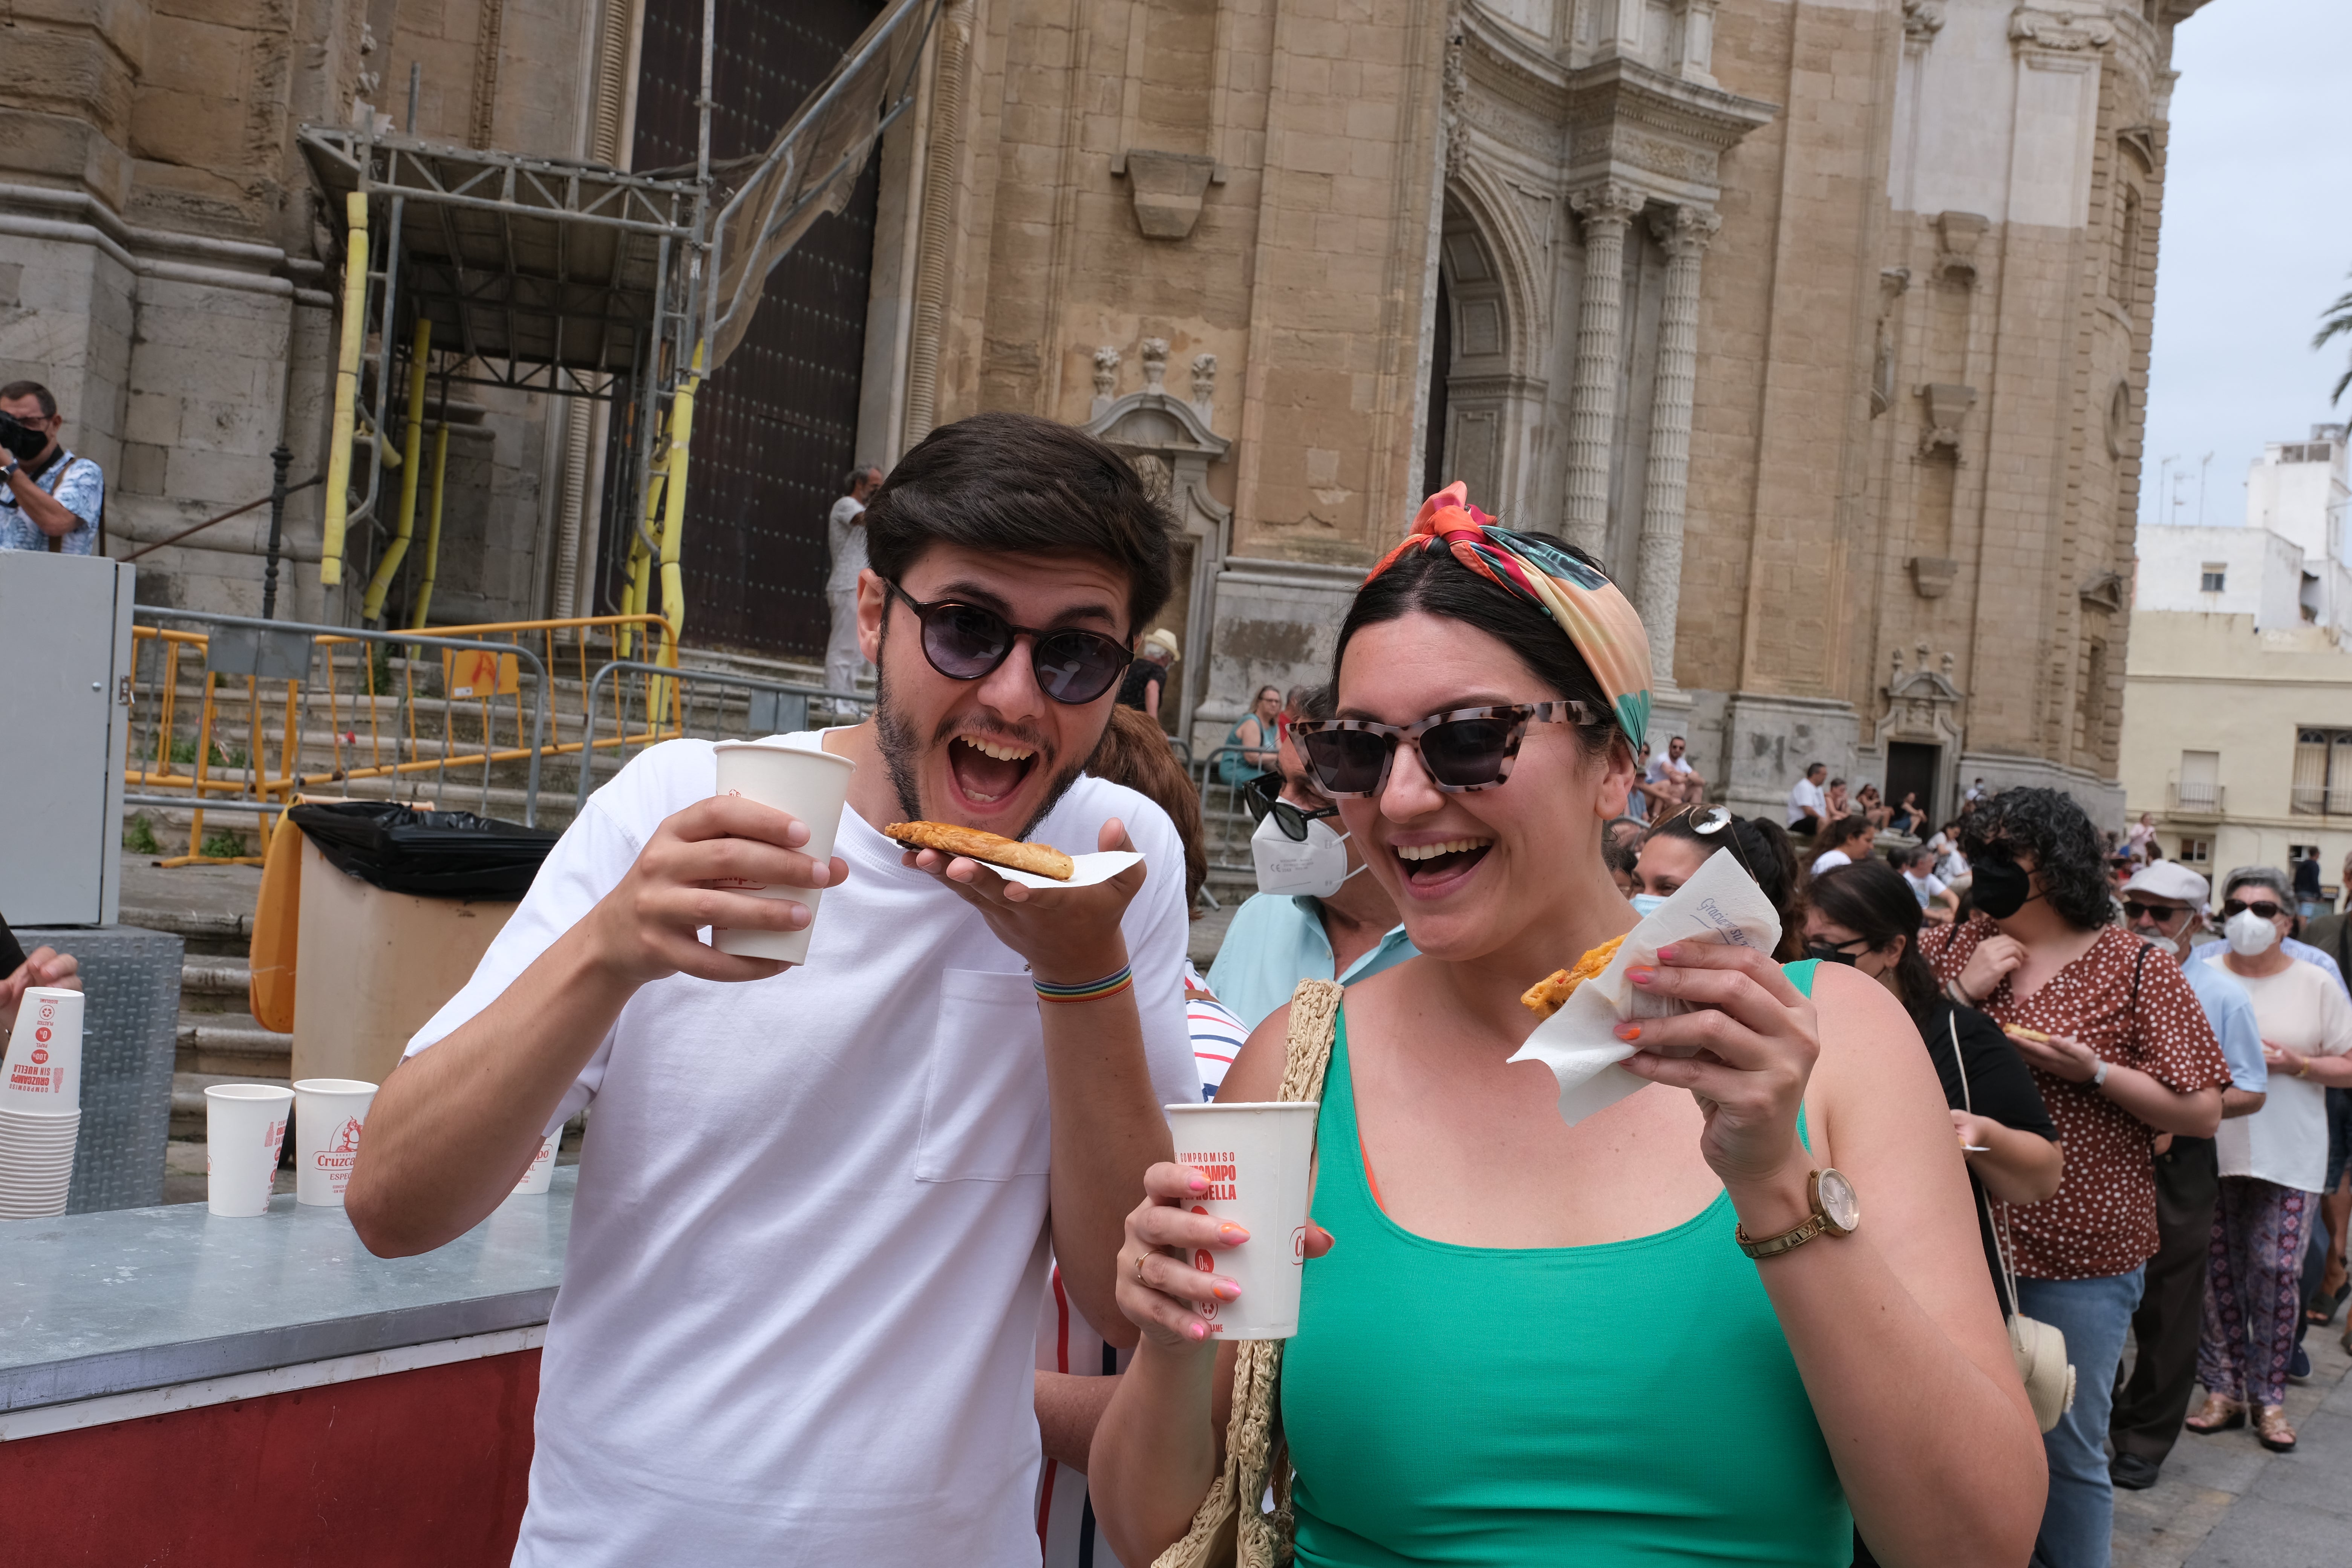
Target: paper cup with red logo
column 245, row 1129
column 801, row 782
column 542, row 1166
column 1256, row 1157
column 328, row 1115
column 42, row 1072
column 37, row 1158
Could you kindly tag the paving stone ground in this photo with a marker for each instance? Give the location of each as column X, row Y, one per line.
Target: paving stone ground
column 2225, row 1501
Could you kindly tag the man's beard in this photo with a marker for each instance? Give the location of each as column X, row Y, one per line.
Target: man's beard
column 901, row 751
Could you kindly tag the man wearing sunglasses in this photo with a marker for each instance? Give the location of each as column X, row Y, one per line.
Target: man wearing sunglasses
column 799, row 1308
column 1343, row 928
column 2164, row 904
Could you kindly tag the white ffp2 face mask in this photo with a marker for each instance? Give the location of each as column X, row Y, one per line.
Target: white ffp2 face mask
column 1315, row 869
column 2249, row 935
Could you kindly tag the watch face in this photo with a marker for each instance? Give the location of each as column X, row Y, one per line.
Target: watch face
column 1838, row 1201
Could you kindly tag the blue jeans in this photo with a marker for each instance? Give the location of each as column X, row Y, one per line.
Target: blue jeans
column 2094, row 1315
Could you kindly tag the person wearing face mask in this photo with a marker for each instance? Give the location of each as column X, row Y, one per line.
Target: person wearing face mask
column 1316, row 916
column 2272, row 1163
column 2164, row 905
column 1647, row 1337
column 2122, row 1052
column 2266, row 887
column 1673, row 850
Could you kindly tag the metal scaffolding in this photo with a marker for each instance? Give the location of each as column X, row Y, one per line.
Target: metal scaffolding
column 474, row 267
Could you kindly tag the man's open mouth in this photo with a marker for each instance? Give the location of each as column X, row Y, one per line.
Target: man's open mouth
column 986, row 771
column 1430, row 864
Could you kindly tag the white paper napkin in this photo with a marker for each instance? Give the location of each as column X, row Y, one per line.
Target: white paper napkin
column 1579, row 1043
column 1086, row 871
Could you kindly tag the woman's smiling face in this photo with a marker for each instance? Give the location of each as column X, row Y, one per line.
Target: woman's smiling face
column 1471, row 871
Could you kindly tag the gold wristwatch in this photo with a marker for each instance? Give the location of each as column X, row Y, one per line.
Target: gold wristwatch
column 1836, row 1212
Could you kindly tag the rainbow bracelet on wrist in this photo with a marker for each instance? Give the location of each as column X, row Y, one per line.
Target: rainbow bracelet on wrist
column 1090, row 991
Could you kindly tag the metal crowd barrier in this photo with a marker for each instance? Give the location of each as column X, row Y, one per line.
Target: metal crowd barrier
column 1226, row 824
column 771, row 708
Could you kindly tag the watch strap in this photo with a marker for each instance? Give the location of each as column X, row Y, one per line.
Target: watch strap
column 1803, row 1231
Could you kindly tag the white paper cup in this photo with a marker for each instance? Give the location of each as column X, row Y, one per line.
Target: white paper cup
column 43, row 1069
column 1255, row 1156
column 328, row 1115
column 37, row 1158
column 801, row 781
column 244, row 1128
column 542, row 1166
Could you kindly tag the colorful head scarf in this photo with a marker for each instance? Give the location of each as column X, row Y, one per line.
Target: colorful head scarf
column 1578, row 596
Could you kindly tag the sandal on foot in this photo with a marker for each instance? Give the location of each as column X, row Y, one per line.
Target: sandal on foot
column 2271, row 1431
column 2219, row 1415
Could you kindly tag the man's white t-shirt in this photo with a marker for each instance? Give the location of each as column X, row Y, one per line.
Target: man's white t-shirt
column 1830, row 860
column 799, row 1297
column 1927, row 888
column 1663, row 767
column 1806, row 793
column 846, row 536
column 2299, row 1009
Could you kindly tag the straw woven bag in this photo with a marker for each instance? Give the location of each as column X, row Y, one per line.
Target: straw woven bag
column 1231, row 1528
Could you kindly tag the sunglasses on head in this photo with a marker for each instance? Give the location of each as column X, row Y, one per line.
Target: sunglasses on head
column 1263, row 797
column 2162, row 914
column 2263, row 907
column 1463, row 749
column 965, row 642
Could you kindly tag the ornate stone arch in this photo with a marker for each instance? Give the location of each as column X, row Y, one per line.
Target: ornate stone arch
column 1489, row 269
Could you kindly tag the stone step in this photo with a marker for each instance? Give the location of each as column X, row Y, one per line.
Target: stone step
column 215, row 977
column 188, row 1099
column 232, row 1042
column 197, row 925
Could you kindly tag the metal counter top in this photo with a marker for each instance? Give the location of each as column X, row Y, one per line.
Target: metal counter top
column 98, row 1304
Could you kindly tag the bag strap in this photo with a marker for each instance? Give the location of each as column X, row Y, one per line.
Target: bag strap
column 1997, row 1225
column 1230, row 1518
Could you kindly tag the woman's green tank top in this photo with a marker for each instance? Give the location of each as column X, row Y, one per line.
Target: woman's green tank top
column 1633, row 1402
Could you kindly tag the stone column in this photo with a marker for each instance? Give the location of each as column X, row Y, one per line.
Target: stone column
column 1685, row 233
column 1607, row 209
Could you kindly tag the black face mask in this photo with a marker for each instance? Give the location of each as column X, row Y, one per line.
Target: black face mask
column 2001, row 888
column 1826, row 953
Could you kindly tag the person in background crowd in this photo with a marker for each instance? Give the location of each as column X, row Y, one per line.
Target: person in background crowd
column 1678, row 781
column 1835, row 802
column 1951, row 866
column 23, row 971
column 53, row 500
column 1251, row 745
column 1326, row 922
column 2310, row 903
column 1976, row 793
column 2265, row 890
column 1937, row 902
column 1077, row 1367
column 2325, row 1282
column 1806, row 801
column 1621, row 851
column 1478, row 1440
column 1841, row 842
column 1639, row 804
column 1673, row 850
column 846, row 533
column 1147, row 679
column 1873, row 807
column 2128, row 1055
column 1863, row 915
column 2143, row 833
column 1908, row 816
column 801, row 1331
column 2272, row 1163
column 2165, row 904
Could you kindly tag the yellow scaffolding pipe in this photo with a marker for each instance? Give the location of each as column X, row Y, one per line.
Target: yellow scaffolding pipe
column 433, row 522
column 347, row 390
column 673, row 535
column 411, row 448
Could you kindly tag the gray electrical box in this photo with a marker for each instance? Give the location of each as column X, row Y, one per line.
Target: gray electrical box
column 65, row 733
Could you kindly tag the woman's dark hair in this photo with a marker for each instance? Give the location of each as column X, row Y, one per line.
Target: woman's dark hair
column 2068, row 854
column 1871, row 900
column 1434, row 583
column 1844, row 830
column 1014, row 484
column 1763, row 848
column 1135, row 751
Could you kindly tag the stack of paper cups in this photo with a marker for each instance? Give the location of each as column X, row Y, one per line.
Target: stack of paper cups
column 244, row 1128
column 1256, row 1157
column 329, row 1113
column 40, row 1104
column 542, row 1166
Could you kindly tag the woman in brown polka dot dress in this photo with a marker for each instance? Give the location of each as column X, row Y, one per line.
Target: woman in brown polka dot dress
column 2121, row 1052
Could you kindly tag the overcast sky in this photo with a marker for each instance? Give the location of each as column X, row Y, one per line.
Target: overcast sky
column 2257, row 240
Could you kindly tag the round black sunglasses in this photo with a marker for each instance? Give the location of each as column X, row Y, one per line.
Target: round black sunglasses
column 965, row 642
column 1263, row 797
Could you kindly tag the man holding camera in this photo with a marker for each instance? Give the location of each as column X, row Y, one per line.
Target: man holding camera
column 49, row 498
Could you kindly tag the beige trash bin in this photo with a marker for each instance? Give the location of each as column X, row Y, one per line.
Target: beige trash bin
column 371, row 966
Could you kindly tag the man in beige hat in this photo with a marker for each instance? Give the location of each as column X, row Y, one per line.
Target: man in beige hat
column 1147, row 677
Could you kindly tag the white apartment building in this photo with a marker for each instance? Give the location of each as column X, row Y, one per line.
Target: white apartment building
column 2237, row 730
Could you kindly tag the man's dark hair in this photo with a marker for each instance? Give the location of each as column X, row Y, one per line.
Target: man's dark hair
column 1014, row 484
column 34, row 390
column 2068, row 854
column 1813, row 768
column 1434, row 583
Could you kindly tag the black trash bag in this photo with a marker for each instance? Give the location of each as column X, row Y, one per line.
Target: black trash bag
column 440, row 854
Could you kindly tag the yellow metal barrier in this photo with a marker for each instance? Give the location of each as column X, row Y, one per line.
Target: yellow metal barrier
column 347, row 390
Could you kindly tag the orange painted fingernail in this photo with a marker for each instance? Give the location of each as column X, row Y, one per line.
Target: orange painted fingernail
column 1641, row 975
column 1197, row 1183
column 1226, row 1291
column 1629, row 1031
column 1231, row 1234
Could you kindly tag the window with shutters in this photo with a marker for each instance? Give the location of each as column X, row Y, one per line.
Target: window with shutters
column 2196, row 852
column 2213, row 577
column 2322, row 773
